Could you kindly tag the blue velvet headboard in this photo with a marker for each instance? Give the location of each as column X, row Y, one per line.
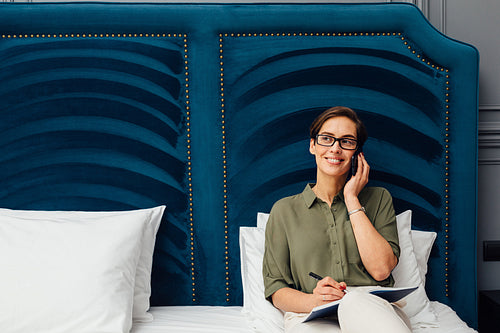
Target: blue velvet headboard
column 205, row 108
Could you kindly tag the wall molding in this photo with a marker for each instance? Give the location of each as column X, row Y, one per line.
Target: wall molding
column 436, row 13
column 489, row 138
column 489, row 107
column 442, row 21
column 423, row 5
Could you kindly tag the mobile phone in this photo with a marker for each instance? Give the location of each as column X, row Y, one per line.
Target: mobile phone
column 354, row 162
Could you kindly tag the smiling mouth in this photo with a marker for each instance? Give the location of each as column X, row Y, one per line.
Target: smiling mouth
column 333, row 160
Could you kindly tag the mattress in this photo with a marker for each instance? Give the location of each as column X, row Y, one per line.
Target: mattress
column 219, row 319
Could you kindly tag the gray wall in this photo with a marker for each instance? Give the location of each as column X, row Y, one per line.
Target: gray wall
column 474, row 22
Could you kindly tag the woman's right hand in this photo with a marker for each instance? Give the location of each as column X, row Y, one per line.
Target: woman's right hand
column 328, row 290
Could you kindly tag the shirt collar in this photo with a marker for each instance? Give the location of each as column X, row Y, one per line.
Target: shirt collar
column 310, row 197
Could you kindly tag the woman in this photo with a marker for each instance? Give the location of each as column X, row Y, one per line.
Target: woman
column 339, row 229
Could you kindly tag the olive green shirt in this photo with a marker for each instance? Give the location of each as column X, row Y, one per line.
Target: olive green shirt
column 304, row 234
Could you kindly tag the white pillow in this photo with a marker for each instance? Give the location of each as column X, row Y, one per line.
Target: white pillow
column 262, row 220
column 422, row 246
column 407, row 274
column 151, row 217
column 261, row 314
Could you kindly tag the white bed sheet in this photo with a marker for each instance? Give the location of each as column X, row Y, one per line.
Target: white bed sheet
column 449, row 322
column 220, row 319
column 195, row 319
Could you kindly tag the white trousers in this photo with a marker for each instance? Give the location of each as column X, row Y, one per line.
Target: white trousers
column 359, row 312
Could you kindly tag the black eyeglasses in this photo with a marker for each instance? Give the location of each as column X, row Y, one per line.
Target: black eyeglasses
column 328, row 141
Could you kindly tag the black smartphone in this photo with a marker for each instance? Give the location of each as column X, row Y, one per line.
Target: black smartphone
column 354, row 162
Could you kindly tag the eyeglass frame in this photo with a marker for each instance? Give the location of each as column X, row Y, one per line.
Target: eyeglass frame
column 335, row 140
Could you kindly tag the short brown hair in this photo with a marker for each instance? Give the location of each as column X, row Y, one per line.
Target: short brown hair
column 339, row 111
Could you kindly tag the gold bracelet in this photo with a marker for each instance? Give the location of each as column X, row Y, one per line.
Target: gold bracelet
column 362, row 209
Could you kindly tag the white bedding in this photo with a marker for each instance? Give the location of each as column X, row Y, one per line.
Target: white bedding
column 219, row 319
column 449, row 322
column 195, row 319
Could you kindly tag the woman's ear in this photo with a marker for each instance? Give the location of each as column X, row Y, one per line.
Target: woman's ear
column 312, row 147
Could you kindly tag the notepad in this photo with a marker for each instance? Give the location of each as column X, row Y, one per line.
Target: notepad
column 389, row 294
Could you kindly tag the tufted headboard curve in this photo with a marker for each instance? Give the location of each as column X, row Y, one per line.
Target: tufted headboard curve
column 205, row 108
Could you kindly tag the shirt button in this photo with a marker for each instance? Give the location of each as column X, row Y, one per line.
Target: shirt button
column 338, row 262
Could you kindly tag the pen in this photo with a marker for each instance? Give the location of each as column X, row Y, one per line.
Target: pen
column 318, row 277
column 315, row 276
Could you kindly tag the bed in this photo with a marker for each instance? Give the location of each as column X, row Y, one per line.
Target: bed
column 143, row 144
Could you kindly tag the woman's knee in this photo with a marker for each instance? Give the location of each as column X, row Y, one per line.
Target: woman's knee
column 360, row 311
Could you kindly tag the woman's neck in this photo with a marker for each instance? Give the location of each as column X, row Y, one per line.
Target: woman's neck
column 327, row 189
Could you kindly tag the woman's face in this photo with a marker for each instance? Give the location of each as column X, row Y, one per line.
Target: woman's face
column 334, row 161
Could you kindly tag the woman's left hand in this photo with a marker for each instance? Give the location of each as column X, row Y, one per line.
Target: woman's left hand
column 359, row 181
